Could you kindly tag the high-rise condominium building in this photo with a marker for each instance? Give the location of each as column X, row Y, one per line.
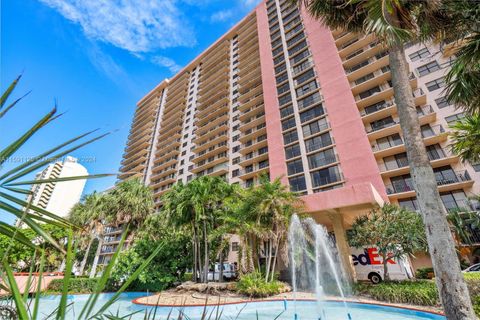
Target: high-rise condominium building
column 284, row 95
column 59, row 197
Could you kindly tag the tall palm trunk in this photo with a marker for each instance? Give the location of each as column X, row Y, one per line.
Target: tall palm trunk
column 85, row 257
column 93, row 272
column 454, row 296
column 195, row 255
column 268, row 259
column 386, row 275
column 205, row 244
column 277, row 244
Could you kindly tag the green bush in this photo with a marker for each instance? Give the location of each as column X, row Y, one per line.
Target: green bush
column 423, row 273
column 476, row 305
column 76, row 285
column 423, row 293
column 254, row 285
column 187, row 276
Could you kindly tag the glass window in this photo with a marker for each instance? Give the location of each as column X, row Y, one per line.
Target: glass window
column 292, row 151
column 290, row 137
column 422, row 53
column 318, row 142
column 442, row 102
column 454, row 118
column 294, row 167
column 321, row 159
column 428, row 68
column 306, row 88
column 409, row 204
column 325, row 176
column 435, row 84
column 311, row 114
column 297, row 183
column 445, row 175
column 288, row 123
column 304, row 77
column 455, row 200
column 315, row 127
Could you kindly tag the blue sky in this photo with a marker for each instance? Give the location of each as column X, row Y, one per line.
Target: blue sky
column 97, row 58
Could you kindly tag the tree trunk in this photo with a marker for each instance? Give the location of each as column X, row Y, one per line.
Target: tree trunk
column 195, row 255
column 268, row 257
column 450, row 283
column 95, row 261
column 277, row 244
column 386, row 275
column 220, row 260
column 85, row 257
column 205, row 243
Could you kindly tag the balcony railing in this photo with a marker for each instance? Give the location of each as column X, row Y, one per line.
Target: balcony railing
column 407, row 185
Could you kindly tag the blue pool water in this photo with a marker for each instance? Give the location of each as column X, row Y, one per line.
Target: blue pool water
column 306, row 310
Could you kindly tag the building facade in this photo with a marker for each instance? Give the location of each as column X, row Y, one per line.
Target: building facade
column 284, row 95
column 58, row 197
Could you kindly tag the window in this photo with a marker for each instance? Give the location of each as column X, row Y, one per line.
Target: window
column 304, row 77
column 315, row 127
column 428, row 68
column 400, row 184
column 397, row 161
column 321, row 159
column 476, row 166
column 236, row 160
column 435, row 84
column 454, row 118
column 283, row 100
column 445, row 175
column 369, row 92
column 318, row 142
column 455, row 200
column 311, row 114
column 426, row 131
column 285, row 112
column 306, row 88
column 294, row 167
column 297, row 183
column 236, row 149
column 310, row 100
column 420, row 54
column 409, row 204
column 442, row 102
column 290, row 137
column 364, row 78
column 382, row 123
column 435, row 152
column 325, row 176
column 376, row 107
column 283, row 88
column 235, row 246
column 236, row 137
column 288, row 124
column 235, row 173
column 292, row 151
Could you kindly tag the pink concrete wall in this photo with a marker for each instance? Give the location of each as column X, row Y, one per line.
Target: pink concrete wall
column 276, row 154
column 354, row 150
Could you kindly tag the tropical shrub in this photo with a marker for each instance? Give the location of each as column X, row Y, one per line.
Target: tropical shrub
column 422, row 293
column 169, row 265
column 424, row 273
column 76, row 285
column 254, row 285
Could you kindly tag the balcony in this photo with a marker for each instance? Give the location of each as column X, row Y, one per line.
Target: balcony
column 257, row 156
column 253, row 145
column 454, row 181
column 437, row 159
column 253, row 170
column 253, row 133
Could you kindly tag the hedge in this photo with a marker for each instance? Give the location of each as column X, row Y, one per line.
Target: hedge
column 76, row 285
column 420, row 292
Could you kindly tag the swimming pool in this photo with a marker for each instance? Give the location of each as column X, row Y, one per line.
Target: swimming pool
column 266, row 310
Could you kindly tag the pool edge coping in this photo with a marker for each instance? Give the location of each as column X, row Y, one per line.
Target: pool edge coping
column 382, row 304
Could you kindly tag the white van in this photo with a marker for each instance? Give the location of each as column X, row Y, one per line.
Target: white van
column 229, row 272
column 369, row 266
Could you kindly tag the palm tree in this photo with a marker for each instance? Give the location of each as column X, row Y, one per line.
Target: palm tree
column 198, row 205
column 466, row 138
column 396, row 23
column 130, row 202
column 88, row 215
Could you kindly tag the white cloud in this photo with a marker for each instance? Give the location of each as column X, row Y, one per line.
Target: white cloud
column 221, row 16
column 167, row 63
column 136, row 26
column 250, row 3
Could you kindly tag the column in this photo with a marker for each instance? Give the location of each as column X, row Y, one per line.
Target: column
column 342, row 245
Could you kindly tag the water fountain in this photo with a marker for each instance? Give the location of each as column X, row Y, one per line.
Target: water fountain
column 315, row 265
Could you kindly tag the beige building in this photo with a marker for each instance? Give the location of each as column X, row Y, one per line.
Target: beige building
column 58, row 197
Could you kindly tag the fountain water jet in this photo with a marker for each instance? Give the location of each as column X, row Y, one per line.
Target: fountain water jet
column 315, row 262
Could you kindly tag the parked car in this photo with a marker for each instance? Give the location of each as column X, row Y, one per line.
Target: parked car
column 229, row 272
column 473, row 268
column 369, row 266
